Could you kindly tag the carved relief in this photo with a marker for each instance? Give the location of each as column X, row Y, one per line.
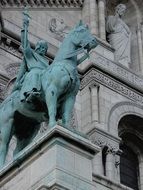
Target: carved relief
column 2, row 92
column 117, row 70
column 111, row 149
column 12, row 69
column 58, row 27
column 43, row 3
column 73, row 121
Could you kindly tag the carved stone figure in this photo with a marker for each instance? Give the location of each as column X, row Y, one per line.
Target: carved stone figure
column 58, row 27
column 119, row 35
column 59, row 86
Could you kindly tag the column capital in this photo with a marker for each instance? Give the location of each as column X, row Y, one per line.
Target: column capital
column 93, row 85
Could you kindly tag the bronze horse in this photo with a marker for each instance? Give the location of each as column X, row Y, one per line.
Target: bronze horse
column 60, row 84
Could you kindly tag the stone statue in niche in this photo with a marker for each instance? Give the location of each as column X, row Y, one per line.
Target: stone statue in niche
column 119, row 36
column 42, row 92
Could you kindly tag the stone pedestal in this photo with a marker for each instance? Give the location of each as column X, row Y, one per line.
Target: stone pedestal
column 61, row 159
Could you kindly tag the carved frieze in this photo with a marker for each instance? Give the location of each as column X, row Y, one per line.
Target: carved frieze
column 111, row 148
column 10, row 45
column 43, row 3
column 111, row 83
column 117, row 70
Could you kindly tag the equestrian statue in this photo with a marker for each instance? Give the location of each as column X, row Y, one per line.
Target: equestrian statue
column 43, row 92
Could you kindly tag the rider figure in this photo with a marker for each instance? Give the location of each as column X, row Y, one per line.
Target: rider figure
column 29, row 76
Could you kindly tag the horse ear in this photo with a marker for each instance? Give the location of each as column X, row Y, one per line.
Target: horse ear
column 86, row 25
column 80, row 23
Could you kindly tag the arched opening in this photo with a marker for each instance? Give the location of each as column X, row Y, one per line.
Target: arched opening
column 129, row 170
column 131, row 133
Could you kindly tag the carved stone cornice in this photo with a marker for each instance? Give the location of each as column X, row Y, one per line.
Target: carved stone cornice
column 42, row 4
column 118, row 71
column 11, row 45
column 111, row 149
column 104, row 79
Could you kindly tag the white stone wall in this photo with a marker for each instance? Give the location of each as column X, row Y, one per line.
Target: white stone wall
column 39, row 27
column 107, row 96
column 7, row 59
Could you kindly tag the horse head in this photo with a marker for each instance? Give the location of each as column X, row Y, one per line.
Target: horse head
column 82, row 37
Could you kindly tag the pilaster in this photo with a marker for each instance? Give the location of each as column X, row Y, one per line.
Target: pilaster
column 94, row 96
column 101, row 8
column 140, row 46
column 94, row 17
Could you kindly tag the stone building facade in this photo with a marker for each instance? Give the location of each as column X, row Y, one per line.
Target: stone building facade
column 109, row 104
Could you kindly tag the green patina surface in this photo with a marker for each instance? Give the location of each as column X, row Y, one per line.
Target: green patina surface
column 43, row 92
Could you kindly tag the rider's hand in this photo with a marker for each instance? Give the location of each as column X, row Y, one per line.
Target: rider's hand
column 26, row 18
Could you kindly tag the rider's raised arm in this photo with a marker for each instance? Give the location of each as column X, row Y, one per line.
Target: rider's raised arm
column 24, row 32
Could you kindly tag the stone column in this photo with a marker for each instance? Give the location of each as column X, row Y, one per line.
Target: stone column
column 102, row 30
column 140, row 46
column 110, row 165
column 93, row 17
column 94, row 96
column 86, row 12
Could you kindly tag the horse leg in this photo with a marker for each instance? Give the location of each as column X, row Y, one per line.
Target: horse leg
column 51, row 101
column 5, row 137
column 67, row 110
column 22, row 143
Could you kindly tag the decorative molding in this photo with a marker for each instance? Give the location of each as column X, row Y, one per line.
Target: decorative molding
column 111, row 149
column 118, row 111
column 43, row 187
column 2, row 92
column 42, row 4
column 111, row 83
column 12, row 69
column 73, row 124
column 73, row 121
column 117, row 70
column 11, row 45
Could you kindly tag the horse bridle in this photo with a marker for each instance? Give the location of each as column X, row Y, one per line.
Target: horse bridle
column 77, row 52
